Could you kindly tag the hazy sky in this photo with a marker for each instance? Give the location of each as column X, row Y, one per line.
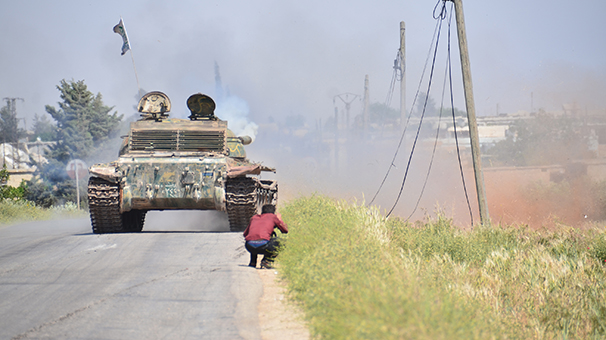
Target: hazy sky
column 287, row 57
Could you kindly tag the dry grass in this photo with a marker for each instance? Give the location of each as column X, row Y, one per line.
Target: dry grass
column 361, row 276
column 13, row 211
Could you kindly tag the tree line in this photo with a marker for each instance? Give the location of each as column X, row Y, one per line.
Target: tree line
column 83, row 126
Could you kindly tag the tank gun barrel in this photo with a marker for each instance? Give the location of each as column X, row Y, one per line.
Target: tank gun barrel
column 245, row 139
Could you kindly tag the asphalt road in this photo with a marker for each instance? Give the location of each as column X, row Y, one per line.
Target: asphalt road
column 183, row 277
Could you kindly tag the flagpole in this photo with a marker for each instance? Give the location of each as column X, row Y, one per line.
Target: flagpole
column 121, row 29
column 136, row 76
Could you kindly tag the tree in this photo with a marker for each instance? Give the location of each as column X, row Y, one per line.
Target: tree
column 7, row 191
column 84, row 123
column 382, row 114
column 431, row 109
column 9, row 123
column 543, row 140
column 51, row 186
column 44, row 129
column 447, row 112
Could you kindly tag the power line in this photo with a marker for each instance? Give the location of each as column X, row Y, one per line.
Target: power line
column 392, row 164
column 449, row 77
column 435, row 143
column 439, row 18
column 454, row 124
column 397, row 75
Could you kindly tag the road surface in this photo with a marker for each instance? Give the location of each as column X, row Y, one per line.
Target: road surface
column 183, row 277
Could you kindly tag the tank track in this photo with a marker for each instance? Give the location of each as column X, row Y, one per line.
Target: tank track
column 241, row 202
column 104, row 207
column 132, row 221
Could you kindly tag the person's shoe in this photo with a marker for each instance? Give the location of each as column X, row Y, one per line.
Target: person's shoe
column 254, row 265
column 266, row 265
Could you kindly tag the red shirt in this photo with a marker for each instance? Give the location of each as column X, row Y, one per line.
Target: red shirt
column 261, row 227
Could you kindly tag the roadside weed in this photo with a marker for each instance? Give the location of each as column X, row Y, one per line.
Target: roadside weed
column 12, row 211
column 358, row 275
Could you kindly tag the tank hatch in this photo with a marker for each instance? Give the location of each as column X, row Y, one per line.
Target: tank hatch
column 154, row 105
column 201, row 106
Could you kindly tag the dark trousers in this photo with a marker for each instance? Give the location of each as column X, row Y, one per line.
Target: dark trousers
column 269, row 251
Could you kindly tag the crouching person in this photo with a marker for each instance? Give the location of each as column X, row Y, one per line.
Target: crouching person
column 260, row 236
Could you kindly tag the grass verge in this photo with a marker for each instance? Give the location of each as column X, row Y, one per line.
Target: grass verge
column 13, row 211
column 358, row 275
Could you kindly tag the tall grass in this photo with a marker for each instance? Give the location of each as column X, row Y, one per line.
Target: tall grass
column 12, row 211
column 360, row 276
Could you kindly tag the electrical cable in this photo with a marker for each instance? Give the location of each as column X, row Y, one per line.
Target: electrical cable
column 435, row 143
column 454, row 124
column 441, row 18
column 435, row 33
column 401, row 65
column 392, row 86
column 442, row 14
column 397, row 75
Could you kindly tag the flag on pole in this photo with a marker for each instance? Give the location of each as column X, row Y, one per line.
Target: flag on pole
column 119, row 28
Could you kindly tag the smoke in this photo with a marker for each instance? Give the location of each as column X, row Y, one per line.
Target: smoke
column 235, row 111
column 186, row 220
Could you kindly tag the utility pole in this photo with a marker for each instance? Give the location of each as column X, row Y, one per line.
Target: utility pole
column 471, row 113
column 13, row 122
column 349, row 98
column 11, row 103
column 336, row 140
column 365, row 113
column 402, row 56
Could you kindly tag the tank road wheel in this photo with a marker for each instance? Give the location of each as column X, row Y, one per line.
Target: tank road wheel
column 104, row 206
column 133, row 220
column 241, row 202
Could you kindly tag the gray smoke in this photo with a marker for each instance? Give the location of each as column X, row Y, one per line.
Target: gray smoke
column 235, row 111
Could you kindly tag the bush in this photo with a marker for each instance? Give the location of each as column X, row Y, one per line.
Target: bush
column 7, row 191
column 12, row 192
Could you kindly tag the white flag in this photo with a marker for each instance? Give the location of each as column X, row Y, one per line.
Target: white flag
column 119, row 28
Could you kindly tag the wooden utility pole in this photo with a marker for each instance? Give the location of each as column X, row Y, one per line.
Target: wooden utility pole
column 402, row 56
column 471, row 113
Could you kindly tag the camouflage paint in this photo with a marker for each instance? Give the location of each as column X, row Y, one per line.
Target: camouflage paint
column 156, row 174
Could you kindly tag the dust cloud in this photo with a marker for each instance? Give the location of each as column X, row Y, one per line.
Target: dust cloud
column 307, row 164
column 186, row 221
column 528, row 197
column 309, row 161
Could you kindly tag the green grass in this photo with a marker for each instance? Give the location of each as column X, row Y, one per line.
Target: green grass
column 358, row 275
column 13, row 211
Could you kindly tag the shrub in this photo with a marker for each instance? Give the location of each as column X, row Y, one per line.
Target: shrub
column 7, row 191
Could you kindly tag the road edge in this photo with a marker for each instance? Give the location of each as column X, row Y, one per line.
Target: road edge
column 278, row 317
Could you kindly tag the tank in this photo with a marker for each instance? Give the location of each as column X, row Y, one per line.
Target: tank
column 177, row 164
